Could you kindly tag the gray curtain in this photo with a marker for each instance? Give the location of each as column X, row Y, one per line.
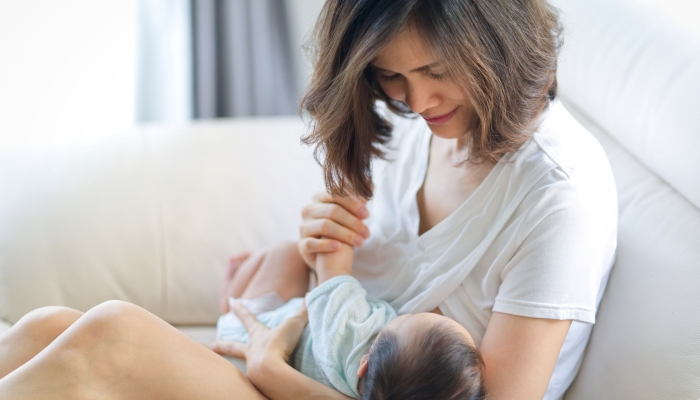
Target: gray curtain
column 242, row 59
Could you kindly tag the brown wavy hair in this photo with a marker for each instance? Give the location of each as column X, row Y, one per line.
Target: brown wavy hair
column 502, row 52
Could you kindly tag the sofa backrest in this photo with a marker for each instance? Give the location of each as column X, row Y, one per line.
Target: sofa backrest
column 149, row 216
column 630, row 72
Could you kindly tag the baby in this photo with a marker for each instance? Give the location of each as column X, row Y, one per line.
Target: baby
column 362, row 349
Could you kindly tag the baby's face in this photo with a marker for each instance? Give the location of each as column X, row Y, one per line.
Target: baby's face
column 410, row 325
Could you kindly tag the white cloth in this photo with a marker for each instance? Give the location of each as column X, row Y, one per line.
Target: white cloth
column 342, row 327
column 267, row 302
column 537, row 238
column 229, row 327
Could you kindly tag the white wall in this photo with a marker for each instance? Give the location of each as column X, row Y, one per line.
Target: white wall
column 66, row 70
column 164, row 80
column 303, row 14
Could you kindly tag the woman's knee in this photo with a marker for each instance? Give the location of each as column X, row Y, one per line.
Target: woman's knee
column 113, row 317
column 48, row 321
column 116, row 320
column 104, row 333
column 102, row 343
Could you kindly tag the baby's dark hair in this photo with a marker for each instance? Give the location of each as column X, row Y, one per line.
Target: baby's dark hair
column 440, row 364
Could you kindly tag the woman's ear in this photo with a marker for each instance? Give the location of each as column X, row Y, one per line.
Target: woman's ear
column 364, row 364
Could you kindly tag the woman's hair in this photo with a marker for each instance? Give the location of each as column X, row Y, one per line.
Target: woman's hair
column 503, row 53
column 439, row 364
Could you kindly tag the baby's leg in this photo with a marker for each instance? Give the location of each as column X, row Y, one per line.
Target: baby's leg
column 279, row 269
column 264, row 282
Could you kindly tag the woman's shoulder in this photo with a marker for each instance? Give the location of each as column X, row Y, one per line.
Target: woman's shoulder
column 569, row 147
column 568, row 172
column 562, row 158
column 575, row 189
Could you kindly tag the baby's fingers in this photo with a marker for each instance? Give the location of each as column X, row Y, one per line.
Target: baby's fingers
column 229, row 348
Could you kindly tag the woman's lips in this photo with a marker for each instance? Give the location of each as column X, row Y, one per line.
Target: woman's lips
column 440, row 119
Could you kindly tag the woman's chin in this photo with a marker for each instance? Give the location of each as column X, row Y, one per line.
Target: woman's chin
column 446, row 131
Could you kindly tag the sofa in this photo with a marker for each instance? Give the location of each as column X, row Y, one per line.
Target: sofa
column 152, row 215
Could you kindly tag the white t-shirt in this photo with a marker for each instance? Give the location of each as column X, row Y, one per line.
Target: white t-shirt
column 537, row 238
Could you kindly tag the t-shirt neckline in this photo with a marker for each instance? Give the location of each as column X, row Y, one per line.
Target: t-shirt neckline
column 450, row 222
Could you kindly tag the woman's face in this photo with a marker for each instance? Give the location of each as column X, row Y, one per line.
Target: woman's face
column 407, row 71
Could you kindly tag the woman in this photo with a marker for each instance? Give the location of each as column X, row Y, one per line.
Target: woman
column 495, row 209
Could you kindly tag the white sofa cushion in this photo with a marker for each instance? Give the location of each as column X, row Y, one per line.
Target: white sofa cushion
column 634, row 67
column 630, row 73
column 150, row 216
column 646, row 341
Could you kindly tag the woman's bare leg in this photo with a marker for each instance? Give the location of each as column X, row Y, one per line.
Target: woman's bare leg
column 120, row 351
column 31, row 334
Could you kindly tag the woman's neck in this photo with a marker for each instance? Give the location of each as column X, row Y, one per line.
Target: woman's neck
column 454, row 151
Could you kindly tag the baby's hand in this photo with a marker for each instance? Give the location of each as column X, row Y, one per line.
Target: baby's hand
column 329, row 265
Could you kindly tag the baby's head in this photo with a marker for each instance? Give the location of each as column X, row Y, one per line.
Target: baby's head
column 422, row 356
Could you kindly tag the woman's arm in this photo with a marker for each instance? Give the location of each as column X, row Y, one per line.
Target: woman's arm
column 267, row 353
column 520, row 354
column 281, row 381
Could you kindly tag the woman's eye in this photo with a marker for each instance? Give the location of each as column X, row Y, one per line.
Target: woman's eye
column 437, row 77
column 389, row 78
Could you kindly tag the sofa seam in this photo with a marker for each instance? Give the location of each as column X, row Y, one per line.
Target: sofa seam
column 160, row 230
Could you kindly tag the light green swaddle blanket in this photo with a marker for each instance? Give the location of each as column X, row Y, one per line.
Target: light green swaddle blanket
column 342, row 327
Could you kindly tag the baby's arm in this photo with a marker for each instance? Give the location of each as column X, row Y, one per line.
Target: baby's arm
column 343, row 324
column 337, row 263
column 342, row 321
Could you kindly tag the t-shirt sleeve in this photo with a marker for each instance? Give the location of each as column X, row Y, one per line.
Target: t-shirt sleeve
column 563, row 243
column 343, row 326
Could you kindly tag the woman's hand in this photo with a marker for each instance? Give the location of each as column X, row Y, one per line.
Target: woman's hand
column 328, row 220
column 265, row 346
column 267, row 354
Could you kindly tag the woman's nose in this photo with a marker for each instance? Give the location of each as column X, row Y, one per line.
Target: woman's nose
column 420, row 97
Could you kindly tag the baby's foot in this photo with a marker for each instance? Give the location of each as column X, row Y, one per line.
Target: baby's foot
column 233, row 265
